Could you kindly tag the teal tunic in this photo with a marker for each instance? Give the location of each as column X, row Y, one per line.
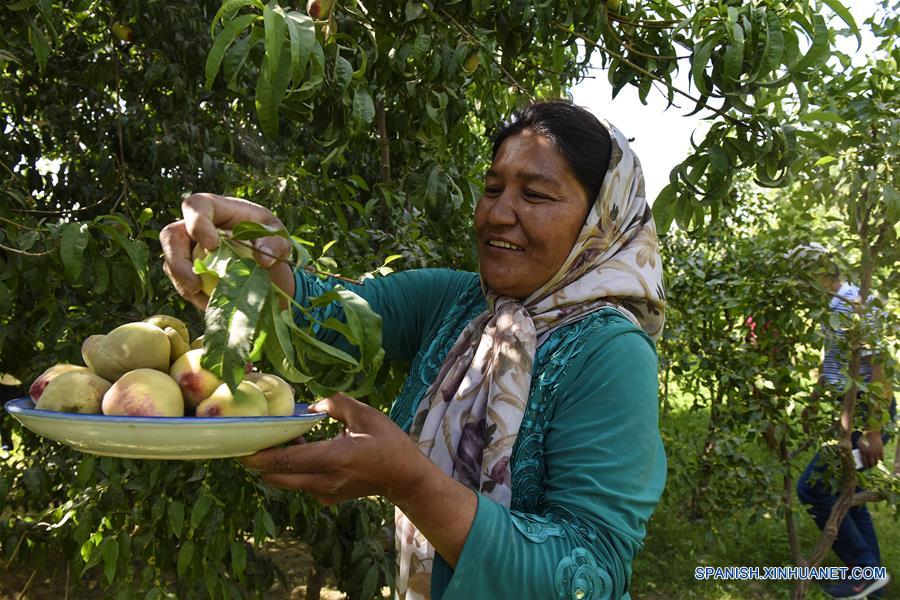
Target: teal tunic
column 588, row 466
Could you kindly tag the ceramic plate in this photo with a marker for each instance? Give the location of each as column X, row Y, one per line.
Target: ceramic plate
column 165, row 438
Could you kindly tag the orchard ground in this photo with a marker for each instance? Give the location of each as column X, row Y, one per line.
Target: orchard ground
column 674, row 546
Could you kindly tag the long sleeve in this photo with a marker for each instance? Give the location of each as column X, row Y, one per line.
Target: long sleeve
column 605, row 471
column 409, row 303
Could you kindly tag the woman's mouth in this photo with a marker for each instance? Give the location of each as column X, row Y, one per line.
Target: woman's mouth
column 503, row 244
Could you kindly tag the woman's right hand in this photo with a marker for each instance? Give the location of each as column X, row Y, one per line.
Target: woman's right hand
column 204, row 214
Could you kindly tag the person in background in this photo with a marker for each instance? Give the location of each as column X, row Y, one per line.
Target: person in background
column 856, row 543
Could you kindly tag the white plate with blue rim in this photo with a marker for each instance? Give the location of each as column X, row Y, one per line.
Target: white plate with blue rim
column 164, row 438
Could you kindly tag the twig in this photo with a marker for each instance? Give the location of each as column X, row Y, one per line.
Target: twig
column 17, row 224
column 316, row 271
column 15, row 550
column 27, row 583
column 25, row 253
column 120, row 162
column 383, row 143
column 29, row 211
column 10, row 171
column 313, row 270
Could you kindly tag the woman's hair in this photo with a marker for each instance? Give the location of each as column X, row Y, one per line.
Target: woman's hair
column 576, row 133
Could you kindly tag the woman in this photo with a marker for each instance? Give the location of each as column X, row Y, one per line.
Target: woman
column 523, row 453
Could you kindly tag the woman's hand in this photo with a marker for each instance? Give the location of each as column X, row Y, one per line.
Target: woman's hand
column 204, row 214
column 371, row 456
column 374, row 457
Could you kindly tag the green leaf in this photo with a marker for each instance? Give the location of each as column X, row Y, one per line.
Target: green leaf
column 363, row 107
column 414, row 10
column 85, row 471
column 774, row 42
column 698, row 64
column 21, row 5
column 303, row 37
column 269, row 524
column 422, row 44
column 275, row 29
column 822, row 115
column 271, row 87
column 9, row 57
column 317, row 350
column 343, row 72
column 75, row 239
column 225, row 38
column 238, row 559
column 146, row 215
column 818, row 50
column 39, row 45
column 663, row 209
column 370, row 582
column 316, row 70
column 279, row 347
column 200, row 510
column 175, row 513
column 229, row 7
column 110, row 558
column 248, row 230
column 364, row 322
column 845, row 15
column 734, row 53
column 232, row 317
column 824, row 161
column 236, row 58
column 185, row 557
column 137, row 253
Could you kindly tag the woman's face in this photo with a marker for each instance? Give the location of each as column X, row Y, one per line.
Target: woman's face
column 529, row 217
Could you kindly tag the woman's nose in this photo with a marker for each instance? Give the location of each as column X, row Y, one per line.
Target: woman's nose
column 503, row 210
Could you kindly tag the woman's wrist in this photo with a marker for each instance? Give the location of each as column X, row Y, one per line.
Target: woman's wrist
column 415, row 486
column 440, row 507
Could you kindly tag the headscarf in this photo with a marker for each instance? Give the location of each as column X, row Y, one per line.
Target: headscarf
column 469, row 418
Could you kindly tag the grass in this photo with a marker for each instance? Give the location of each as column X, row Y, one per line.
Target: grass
column 675, row 546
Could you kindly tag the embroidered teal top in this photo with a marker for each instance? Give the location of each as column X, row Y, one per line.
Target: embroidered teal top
column 588, row 467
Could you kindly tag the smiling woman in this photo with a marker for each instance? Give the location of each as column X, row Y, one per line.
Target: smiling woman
column 529, row 216
column 547, row 168
column 523, row 453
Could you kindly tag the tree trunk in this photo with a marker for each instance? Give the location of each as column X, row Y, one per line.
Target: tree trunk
column 705, row 471
column 787, row 500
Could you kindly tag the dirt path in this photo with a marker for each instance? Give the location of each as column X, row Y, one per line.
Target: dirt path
column 291, row 557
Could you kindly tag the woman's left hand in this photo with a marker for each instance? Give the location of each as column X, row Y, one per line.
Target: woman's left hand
column 372, row 456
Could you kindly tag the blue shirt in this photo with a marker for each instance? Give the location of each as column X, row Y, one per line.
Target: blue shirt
column 835, row 364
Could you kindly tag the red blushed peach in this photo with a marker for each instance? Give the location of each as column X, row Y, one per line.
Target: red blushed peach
column 196, row 383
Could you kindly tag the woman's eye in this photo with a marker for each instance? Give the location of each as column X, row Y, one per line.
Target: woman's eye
column 492, row 190
column 533, row 195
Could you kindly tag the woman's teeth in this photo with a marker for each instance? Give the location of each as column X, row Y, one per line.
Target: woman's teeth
column 500, row 244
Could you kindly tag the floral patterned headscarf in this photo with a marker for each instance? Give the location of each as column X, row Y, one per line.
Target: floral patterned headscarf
column 469, row 418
